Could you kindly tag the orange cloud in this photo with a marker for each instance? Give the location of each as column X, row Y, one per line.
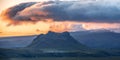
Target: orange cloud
column 89, row 26
column 41, row 27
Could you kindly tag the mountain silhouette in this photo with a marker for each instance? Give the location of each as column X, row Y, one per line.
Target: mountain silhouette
column 53, row 40
column 55, row 45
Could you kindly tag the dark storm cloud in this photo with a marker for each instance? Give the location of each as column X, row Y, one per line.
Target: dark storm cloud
column 11, row 12
column 65, row 11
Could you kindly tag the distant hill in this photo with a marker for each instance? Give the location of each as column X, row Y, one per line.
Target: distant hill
column 17, row 41
column 98, row 39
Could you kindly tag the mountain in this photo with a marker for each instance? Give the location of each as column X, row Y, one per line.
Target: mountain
column 55, row 45
column 98, row 39
column 53, row 40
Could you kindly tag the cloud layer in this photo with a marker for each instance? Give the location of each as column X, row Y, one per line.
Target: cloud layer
column 95, row 11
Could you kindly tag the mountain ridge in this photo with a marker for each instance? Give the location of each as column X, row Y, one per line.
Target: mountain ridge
column 102, row 39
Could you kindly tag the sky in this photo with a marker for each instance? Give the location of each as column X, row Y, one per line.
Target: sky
column 33, row 17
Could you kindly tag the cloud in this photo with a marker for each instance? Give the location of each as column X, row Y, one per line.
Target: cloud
column 93, row 11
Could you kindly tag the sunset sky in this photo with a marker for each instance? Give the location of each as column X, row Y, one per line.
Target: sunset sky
column 31, row 17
